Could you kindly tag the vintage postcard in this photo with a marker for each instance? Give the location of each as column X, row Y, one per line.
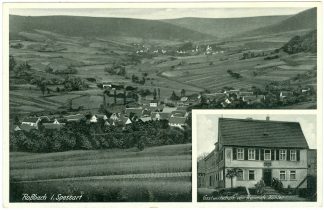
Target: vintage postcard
column 264, row 156
column 99, row 103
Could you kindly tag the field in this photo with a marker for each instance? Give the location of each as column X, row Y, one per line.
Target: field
column 155, row 174
column 193, row 73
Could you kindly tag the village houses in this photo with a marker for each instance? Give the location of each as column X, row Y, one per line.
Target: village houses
column 258, row 150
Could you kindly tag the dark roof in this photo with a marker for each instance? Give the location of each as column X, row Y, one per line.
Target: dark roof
column 76, row 117
column 135, row 111
column 163, row 115
column 261, row 133
column 31, row 119
column 177, row 120
column 27, row 127
column 179, row 113
column 52, row 126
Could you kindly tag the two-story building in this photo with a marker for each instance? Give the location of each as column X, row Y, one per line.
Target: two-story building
column 258, row 150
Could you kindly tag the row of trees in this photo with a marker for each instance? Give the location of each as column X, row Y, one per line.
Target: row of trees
column 84, row 135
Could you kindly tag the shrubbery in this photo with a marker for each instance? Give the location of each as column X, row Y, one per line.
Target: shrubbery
column 85, row 136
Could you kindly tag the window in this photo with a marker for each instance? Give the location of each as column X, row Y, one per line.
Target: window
column 240, row 154
column 292, row 175
column 251, row 175
column 293, row 155
column 239, row 175
column 267, row 154
column 251, row 154
column 221, row 174
column 282, row 154
column 282, row 175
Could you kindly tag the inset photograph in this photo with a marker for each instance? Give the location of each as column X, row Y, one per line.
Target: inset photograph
column 256, row 157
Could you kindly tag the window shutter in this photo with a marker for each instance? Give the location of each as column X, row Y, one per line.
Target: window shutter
column 288, row 154
column 298, row 155
column 262, row 154
column 234, row 153
column 246, row 154
column 257, row 154
column 272, row 154
column 277, row 154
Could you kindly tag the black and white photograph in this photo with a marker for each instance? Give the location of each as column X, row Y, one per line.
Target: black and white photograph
column 256, row 157
column 98, row 101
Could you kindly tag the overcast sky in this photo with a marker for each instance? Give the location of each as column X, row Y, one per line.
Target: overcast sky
column 161, row 13
column 207, row 128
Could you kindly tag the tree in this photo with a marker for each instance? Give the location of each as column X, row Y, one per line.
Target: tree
column 183, row 93
column 141, row 143
column 12, row 63
column 124, row 97
column 58, row 89
column 159, row 93
column 174, row 96
column 154, row 93
column 231, row 173
column 48, row 90
column 115, row 96
column 42, row 86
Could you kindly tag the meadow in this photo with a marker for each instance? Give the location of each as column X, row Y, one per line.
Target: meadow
column 193, row 73
column 90, row 172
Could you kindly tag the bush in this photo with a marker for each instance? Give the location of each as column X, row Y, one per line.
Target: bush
column 277, row 184
column 259, row 187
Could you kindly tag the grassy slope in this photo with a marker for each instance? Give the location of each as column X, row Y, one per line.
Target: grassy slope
column 103, row 27
column 26, row 166
column 171, row 158
column 303, row 20
column 225, row 27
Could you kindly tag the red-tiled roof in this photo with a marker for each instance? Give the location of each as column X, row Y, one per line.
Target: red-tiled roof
column 262, row 133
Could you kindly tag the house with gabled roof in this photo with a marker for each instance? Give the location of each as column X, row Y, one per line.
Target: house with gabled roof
column 285, row 95
column 27, row 127
column 31, row 121
column 179, row 113
column 160, row 116
column 253, row 99
column 258, row 150
column 215, row 97
column 74, row 118
column 96, row 117
column 137, row 111
column 17, row 128
column 53, row 126
column 114, row 116
column 145, row 119
column 177, row 121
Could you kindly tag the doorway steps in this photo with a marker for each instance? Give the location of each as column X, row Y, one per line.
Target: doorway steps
column 270, row 191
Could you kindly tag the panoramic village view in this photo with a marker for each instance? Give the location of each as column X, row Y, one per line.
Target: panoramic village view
column 100, row 107
column 257, row 158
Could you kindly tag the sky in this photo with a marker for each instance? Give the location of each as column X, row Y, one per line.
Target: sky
column 207, row 125
column 160, row 13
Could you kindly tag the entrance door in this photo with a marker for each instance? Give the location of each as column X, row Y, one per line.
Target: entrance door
column 267, row 177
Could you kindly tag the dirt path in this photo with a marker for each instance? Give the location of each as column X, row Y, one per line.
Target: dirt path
column 114, row 177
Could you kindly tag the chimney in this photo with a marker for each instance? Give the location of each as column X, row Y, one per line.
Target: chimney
column 267, row 118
